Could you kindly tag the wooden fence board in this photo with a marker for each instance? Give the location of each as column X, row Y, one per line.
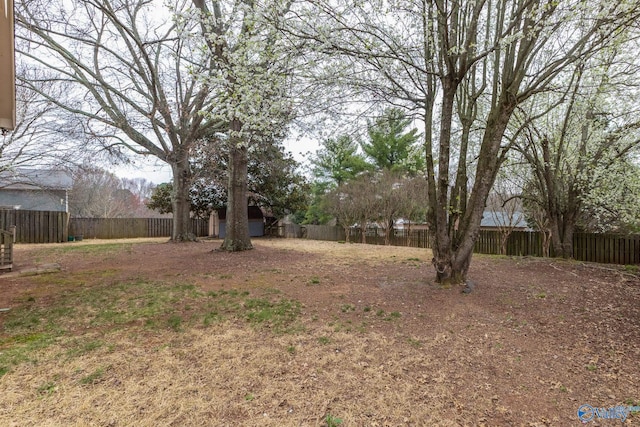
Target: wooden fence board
column 35, row 226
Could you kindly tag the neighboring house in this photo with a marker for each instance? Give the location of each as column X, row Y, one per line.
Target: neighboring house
column 405, row 224
column 35, row 189
column 494, row 220
column 490, row 221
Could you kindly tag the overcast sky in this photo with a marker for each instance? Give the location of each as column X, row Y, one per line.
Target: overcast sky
column 157, row 172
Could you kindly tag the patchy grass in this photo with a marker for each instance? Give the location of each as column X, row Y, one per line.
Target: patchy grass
column 142, row 304
column 166, row 334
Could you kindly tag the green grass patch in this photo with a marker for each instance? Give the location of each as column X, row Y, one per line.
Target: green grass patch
column 347, row 308
column 138, row 304
column 324, row 340
column 94, row 377
column 393, row 316
column 277, row 315
column 99, row 249
column 332, row 421
column 47, row 388
column 18, row 349
column 175, row 322
column 79, row 347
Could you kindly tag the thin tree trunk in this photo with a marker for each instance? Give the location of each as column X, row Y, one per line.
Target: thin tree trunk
column 567, row 239
column 442, row 253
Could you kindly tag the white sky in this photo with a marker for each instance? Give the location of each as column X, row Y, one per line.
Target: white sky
column 157, row 172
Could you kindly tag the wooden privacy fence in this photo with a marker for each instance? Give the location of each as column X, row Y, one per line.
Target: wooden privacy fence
column 123, row 228
column 36, row 226
column 607, row 248
column 55, row 227
column 289, row 231
column 590, row 247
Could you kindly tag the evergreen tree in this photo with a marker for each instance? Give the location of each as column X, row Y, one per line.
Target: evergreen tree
column 391, row 146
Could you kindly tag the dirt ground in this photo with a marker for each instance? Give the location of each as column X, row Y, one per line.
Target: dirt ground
column 379, row 344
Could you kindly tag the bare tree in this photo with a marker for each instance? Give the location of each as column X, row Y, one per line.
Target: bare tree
column 141, row 191
column 42, row 138
column 452, row 63
column 390, row 200
column 414, row 192
column 132, row 80
column 342, row 202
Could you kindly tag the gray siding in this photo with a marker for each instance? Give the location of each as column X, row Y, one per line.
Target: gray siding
column 34, row 200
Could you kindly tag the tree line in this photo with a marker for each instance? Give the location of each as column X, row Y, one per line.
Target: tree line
column 544, row 89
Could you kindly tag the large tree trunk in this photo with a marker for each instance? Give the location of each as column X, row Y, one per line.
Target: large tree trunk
column 562, row 228
column 237, row 223
column 182, row 230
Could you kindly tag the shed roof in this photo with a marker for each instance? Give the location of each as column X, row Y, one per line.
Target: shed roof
column 254, row 213
column 501, row 219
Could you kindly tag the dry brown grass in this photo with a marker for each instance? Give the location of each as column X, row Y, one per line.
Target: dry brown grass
column 376, row 343
column 230, row 376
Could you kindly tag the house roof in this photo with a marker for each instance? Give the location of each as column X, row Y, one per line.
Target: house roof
column 35, row 179
column 501, row 219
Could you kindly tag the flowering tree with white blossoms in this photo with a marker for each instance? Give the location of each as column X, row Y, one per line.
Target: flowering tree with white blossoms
column 581, row 153
column 463, row 68
column 250, row 68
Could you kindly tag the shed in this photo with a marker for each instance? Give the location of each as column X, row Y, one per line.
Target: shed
column 256, row 221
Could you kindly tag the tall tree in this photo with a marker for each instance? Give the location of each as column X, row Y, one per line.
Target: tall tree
column 451, row 61
column 580, row 153
column 391, row 145
column 274, row 182
column 133, row 80
column 252, row 70
column 273, row 179
column 338, row 161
